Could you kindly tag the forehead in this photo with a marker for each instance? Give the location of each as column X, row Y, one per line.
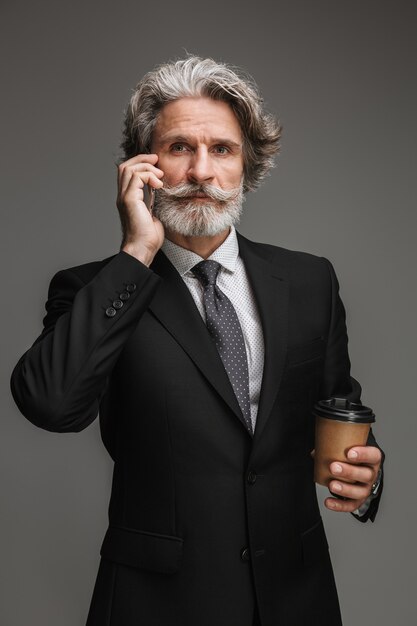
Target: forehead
column 200, row 118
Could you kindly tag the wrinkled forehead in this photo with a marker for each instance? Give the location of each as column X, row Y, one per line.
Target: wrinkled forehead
column 199, row 119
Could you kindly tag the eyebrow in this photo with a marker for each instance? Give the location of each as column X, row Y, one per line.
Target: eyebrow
column 183, row 138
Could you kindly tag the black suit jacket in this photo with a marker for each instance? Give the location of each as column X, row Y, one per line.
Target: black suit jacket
column 204, row 520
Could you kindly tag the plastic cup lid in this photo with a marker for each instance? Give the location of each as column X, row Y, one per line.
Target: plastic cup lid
column 345, row 411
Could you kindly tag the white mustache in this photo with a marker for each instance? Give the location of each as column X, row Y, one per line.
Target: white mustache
column 188, row 190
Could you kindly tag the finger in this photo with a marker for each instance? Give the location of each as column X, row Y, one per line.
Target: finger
column 142, row 167
column 127, row 171
column 349, row 471
column 365, row 454
column 348, row 490
column 342, row 506
column 141, row 158
column 137, row 181
column 150, row 159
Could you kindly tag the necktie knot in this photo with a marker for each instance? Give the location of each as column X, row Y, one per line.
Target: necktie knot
column 206, row 272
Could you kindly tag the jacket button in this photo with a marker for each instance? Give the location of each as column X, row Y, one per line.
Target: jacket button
column 251, row 478
column 118, row 304
column 244, row 555
column 131, row 287
column 125, row 295
column 111, row 312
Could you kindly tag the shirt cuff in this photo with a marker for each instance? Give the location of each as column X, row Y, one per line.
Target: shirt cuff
column 364, row 507
column 374, row 494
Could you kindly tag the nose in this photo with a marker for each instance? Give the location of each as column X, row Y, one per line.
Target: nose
column 200, row 168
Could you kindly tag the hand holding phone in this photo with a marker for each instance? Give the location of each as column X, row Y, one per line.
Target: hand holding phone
column 143, row 234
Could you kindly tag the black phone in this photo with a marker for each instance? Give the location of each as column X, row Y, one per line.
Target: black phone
column 149, row 197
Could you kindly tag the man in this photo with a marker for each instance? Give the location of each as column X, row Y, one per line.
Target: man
column 204, row 353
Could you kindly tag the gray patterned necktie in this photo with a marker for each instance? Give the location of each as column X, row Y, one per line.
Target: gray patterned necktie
column 224, row 327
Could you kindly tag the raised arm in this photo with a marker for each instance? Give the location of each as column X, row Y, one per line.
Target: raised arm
column 57, row 384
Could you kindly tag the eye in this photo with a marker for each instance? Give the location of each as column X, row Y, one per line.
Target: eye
column 178, row 147
column 221, row 149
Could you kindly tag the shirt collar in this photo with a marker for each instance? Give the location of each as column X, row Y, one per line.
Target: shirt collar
column 183, row 260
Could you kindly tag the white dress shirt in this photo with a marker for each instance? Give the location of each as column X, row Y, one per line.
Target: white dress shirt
column 233, row 281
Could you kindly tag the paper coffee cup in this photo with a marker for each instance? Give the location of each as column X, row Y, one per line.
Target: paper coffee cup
column 340, row 425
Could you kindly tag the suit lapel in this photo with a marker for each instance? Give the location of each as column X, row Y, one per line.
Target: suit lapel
column 174, row 307
column 268, row 278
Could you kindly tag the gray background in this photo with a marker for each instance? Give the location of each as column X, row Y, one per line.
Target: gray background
column 341, row 77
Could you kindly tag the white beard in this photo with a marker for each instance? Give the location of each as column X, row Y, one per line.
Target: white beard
column 198, row 218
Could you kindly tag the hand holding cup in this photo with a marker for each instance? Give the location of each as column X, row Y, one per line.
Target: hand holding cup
column 343, row 462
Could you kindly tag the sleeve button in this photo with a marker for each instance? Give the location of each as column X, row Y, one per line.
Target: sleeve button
column 110, row 311
column 131, row 287
column 117, row 304
column 125, row 295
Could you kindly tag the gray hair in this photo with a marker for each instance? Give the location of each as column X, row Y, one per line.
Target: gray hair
column 197, row 77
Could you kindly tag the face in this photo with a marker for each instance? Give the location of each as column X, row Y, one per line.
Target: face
column 200, row 148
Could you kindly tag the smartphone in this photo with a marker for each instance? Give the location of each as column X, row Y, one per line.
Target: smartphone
column 149, row 197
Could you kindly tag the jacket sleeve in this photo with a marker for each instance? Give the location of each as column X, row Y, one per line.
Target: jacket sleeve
column 58, row 382
column 337, row 380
